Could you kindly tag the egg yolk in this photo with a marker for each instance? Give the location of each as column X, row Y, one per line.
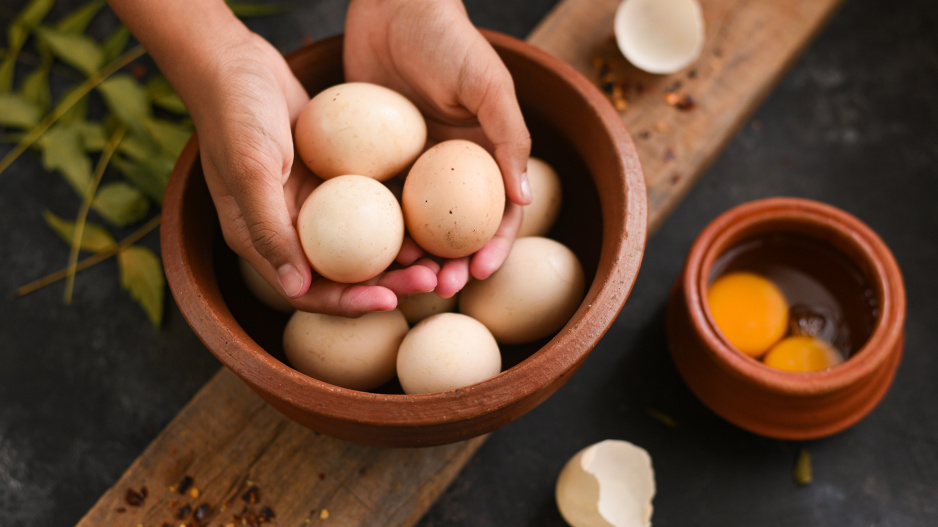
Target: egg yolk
column 750, row 311
column 802, row 353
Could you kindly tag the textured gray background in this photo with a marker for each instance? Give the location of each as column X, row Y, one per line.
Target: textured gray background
column 84, row 388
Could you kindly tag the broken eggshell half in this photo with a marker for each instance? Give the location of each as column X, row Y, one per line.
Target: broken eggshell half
column 607, row 484
column 660, row 36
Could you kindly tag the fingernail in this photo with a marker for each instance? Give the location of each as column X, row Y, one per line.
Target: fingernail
column 290, row 280
column 526, row 188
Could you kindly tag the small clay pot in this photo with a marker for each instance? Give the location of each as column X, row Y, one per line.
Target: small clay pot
column 603, row 220
column 759, row 398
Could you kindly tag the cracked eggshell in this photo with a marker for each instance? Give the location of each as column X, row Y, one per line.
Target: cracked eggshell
column 660, row 36
column 540, row 215
column 453, row 199
column 359, row 128
column 351, row 228
column 447, row 351
column 262, row 290
column 533, row 294
column 607, row 484
column 355, row 353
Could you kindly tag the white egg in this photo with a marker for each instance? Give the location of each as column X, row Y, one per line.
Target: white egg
column 660, row 36
column 351, row 228
column 531, row 295
column 422, row 305
column 453, row 199
column 359, row 128
column 447, row 351
column 607, row 484
column 356, row 353
column 540, row 215
column 262, row 290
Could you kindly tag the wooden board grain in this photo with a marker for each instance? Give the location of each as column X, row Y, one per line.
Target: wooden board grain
column 228, row 440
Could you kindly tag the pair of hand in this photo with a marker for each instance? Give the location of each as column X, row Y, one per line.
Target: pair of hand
column 425, row 49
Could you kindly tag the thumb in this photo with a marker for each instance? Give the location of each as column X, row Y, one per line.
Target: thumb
column 257, row 187
column 489, row 93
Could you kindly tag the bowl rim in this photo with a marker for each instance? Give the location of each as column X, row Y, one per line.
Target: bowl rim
column 828, row 221
column 550, row 364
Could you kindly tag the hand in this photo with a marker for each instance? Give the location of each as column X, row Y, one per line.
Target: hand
column 429, row 51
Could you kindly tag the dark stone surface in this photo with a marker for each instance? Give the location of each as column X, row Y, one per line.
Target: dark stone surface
column 84, row 388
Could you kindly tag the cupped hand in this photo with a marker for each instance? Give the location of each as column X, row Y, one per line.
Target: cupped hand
column 244, row 109
column 429, row 51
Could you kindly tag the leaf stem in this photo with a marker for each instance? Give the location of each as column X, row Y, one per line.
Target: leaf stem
column 70, row 100
column 90, row 191
column 91, row 260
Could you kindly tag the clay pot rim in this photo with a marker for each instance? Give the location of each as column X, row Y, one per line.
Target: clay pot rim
column 615, row 276
column 886, row 280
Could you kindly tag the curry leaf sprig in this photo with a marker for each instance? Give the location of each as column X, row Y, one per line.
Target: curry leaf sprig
column 118, row 161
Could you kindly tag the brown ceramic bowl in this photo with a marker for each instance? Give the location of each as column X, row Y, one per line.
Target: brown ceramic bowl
column 759, row 398
column 603, row 219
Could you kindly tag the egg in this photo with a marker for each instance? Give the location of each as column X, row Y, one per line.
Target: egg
column 447, row 351
column 802, row 353
column 355, row 353
column 359, row 128
column 607, row 484
column 261, row 289
column 419, row 306
column 453, row 199
column 531, row 295
column 659, row 36
column 351, row 228
column 750, row 311
column 540, row 215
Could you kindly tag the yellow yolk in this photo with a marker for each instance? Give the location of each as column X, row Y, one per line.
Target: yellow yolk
column 802, row 353
column 750, row 311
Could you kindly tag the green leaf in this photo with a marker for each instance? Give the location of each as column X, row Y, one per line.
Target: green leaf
column 94, row 238
column 127, row 100
column 249, row 9
column 170, row 136
column 63, row 150
column 93, row 135
column 36, row 88
column 115, row 43
column 7, row 67
column 26, row 20
column 78, row 113
column 120, row 204
column 162, row 94
column 150, row 175
column 142, row 276
column 18, row 111
column 802, row 472
column 77, row 21
column 79, row 51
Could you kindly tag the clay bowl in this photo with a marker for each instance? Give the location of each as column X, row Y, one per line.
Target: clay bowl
column 762, row 399
column 603, row 220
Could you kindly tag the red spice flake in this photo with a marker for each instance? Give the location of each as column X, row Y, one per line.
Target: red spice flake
column 644, row 134
column 139, row 70
column 252, row 495
column 120, row 510
column 183, row 512
column 322, row 476
column 201, row 512
column 681, row 102
column 135, row 498
column 675, row 178
column 184, row 484
column 250, row 518
column 267, row 512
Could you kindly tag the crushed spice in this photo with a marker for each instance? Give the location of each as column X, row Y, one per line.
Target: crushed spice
column 135, row 498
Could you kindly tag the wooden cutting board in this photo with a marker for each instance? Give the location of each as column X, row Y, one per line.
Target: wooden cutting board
column 243, row 458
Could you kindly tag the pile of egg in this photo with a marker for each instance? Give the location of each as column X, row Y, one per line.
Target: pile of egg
column 360, row 137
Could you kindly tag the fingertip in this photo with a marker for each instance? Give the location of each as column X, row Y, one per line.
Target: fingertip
column 292, row 281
